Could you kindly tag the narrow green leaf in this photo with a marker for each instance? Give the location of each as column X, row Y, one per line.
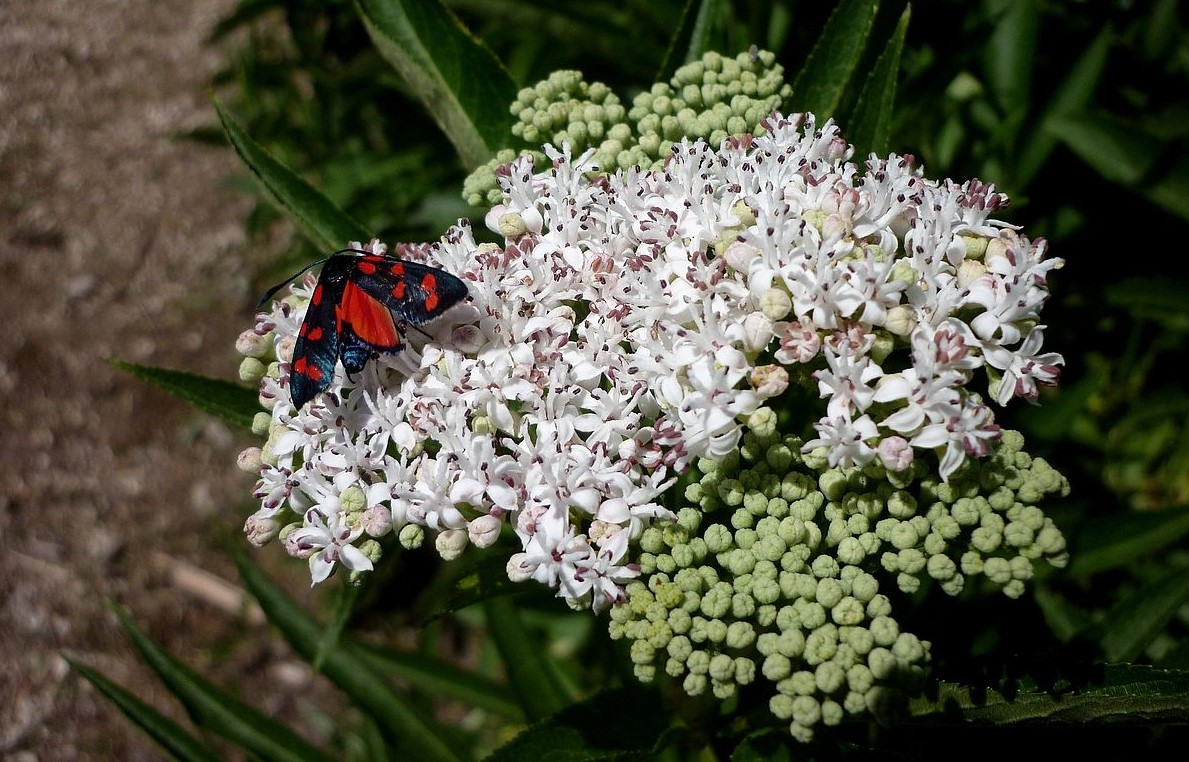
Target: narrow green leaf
column 1010, row 54
column 870, row 124
column 581, row 732
column 1132, row 624
column 210, row 708
column 439, row 679
column 231, row 402
column 692, row 37
column 1153, row 298
column 1064, row 618
column 1122, row 693
column 415, row 738
column 461, row 83
column 1114, row 541
column 1073, row 96
column 166, row 733
column 1170, row 189
column 329, row 227
column 529, row 670
column 823, row 79
column 1116, row 149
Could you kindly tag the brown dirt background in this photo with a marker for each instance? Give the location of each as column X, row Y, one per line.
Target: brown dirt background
column 117, row 240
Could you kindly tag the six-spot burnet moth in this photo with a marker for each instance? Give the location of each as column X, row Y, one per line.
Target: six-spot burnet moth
column 360, row 307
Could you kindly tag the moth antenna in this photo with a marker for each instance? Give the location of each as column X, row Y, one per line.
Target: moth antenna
column 302, row 272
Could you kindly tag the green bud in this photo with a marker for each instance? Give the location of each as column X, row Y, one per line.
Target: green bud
column 776, row 667
column 825, row 567
column 941, row 567
column 848, row 611
column 411, row 536
column 850, row 551
column 860, row 639
column 718, row 538
column 829, row 677
column 833, row 484
column 261, row 422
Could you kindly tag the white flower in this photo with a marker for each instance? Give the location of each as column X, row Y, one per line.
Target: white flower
column 325, row 543
column 605, row 347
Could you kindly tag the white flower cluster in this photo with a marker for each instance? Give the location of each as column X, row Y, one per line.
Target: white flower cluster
column 634, row 322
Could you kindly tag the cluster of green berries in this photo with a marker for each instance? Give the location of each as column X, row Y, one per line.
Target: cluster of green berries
column 773, row 571
column 714, row 98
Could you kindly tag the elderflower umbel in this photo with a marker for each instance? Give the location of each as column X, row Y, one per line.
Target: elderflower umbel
column 634, row 322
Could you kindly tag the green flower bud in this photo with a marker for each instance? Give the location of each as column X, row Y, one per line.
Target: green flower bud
column 781, row 706
column 829, row 677
column 411, row 536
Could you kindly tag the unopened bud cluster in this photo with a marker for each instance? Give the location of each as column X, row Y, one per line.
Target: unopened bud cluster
column 781, row 571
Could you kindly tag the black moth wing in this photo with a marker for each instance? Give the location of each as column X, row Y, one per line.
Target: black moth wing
column 414, row 292
column 317, row 348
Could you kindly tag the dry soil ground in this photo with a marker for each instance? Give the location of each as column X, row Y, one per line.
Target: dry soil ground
column 116, row 241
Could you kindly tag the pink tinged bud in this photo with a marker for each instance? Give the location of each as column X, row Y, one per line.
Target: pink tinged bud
column 484, row 531
column 249, row 460
column 491, row 220
column 285, row 348
column 519, row 569
column 451, row 543
column 739, row 255
column 261, row 530
column 798, row 344
column 769, row 380
column 298, row 546
column 376, row 521
column 467, row 339
column 251, row 344
column 895, row 453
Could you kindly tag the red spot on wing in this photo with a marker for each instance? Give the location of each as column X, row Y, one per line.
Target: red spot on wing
column 398, row 290
column 302, row 366
column 397, row 269
column 430, row 284
column 315, row 334
column 366, row 266
column 316, row 297
column 370, row 320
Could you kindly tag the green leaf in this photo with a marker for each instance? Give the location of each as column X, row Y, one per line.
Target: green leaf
column 231, row 402
column 1170, row 189
column 530, row 671
column 1160, row 299
column 1122, row 693
column 1073, row 96
column 327, row 226
column 246, row 727
column 1116, row 149
column 1114, row 541
column 1132, row 624
column 439, row 679
column 692, row 38
column 461, row 83
column 870, row 123
column 621, row 724
column 165, row 732
column 1009, row 57
column 1064, row 618
column 416, row 738
column 823, row 79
